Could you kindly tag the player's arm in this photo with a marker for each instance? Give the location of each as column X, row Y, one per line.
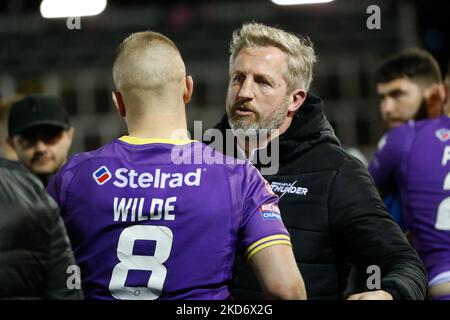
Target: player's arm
column 387, row 158
column 264, row 237
column 277, row 273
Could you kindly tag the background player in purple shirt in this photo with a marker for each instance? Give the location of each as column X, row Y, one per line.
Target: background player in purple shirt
column 409, row 85
column 147, row 220
column 415, row 158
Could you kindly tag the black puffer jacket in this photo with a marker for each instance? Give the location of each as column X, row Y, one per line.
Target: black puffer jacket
column 335, row 216
column 34, row 248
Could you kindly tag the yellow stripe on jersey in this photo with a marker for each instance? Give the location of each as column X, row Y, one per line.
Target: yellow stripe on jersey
column 141, row 141
column 267, row 244
column 277, row 236
column 270, row 239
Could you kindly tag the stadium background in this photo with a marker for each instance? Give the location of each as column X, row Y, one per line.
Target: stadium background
column 42, row 56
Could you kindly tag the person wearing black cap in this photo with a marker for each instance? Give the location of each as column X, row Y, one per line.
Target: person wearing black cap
column 39, row 130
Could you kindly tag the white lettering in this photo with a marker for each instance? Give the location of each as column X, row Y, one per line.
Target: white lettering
column 133, row 209
column 168, row 208
column 374, row 20
column 196, row 176
column 159, row 209
column 374, row 280
column 446, row 155
column 73, row 23
column 121, row 177
column 145, row 180
column 131, row 175
column 140, row 211
column 177, row 180
column 157, row 173
column 164, row 177
column 121, row 208
column 160, row 204
column 133, row 179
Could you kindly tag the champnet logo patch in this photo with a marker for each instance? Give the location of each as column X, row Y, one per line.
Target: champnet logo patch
column 270, row 211
column 443, row 134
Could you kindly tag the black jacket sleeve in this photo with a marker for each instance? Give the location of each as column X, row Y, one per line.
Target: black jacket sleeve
column 35, row 251
column 365, row 234
column 60, row 258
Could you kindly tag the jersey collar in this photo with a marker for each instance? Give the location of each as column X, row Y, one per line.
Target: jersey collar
column 141, row 141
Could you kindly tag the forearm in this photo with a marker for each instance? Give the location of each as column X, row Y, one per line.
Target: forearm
column 278, row 274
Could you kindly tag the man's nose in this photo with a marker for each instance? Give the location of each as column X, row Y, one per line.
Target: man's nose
column 40, row 145
column 246, row 91
column 387, row 106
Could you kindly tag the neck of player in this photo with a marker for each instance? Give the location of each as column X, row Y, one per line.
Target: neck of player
column 159, row 126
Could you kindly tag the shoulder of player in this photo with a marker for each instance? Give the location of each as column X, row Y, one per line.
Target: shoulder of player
column 414, row 127
column 398, row 135
column 79, row 159
column 218, row 155
column 227, row 162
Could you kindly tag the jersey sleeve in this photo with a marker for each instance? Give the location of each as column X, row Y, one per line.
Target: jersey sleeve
column 58, row 184
column 54, row 187
column 388, row 157
column 261, row 225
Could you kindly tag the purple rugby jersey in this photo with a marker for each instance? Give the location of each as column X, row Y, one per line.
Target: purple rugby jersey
column 415, row 157
column 144, row 226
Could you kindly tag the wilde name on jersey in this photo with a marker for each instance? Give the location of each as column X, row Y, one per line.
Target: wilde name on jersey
column 133, row 179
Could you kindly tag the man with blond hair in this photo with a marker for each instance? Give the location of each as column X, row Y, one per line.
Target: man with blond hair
column 145, row 222
column 329, row 203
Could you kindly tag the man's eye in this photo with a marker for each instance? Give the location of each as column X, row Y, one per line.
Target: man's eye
column 263, row 81
column 396, row 94
column 238, row 78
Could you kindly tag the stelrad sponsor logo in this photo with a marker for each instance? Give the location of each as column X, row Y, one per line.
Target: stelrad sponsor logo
column 131, row 178
column 101, row 175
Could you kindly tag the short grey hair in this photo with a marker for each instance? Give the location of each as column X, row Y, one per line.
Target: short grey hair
column 300, row 52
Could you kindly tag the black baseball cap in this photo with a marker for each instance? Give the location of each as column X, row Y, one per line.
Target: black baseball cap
column 35, row 111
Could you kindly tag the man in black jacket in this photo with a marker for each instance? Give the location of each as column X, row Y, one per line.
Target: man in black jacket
column 327, row 198
column 36, row 260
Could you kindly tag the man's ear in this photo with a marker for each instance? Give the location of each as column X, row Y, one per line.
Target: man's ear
column 118, row 103
column 435, row 99
column 70, row 133
column 188, row 89
column 296, row 99
column 447, row 95
column 10, row 141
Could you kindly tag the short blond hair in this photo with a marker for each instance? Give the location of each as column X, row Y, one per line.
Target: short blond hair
column 300, row 52
column 147, row 60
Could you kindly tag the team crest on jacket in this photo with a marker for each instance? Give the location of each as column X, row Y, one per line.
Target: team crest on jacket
column 443, row 134
column 287, row 187
column 101, row 175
